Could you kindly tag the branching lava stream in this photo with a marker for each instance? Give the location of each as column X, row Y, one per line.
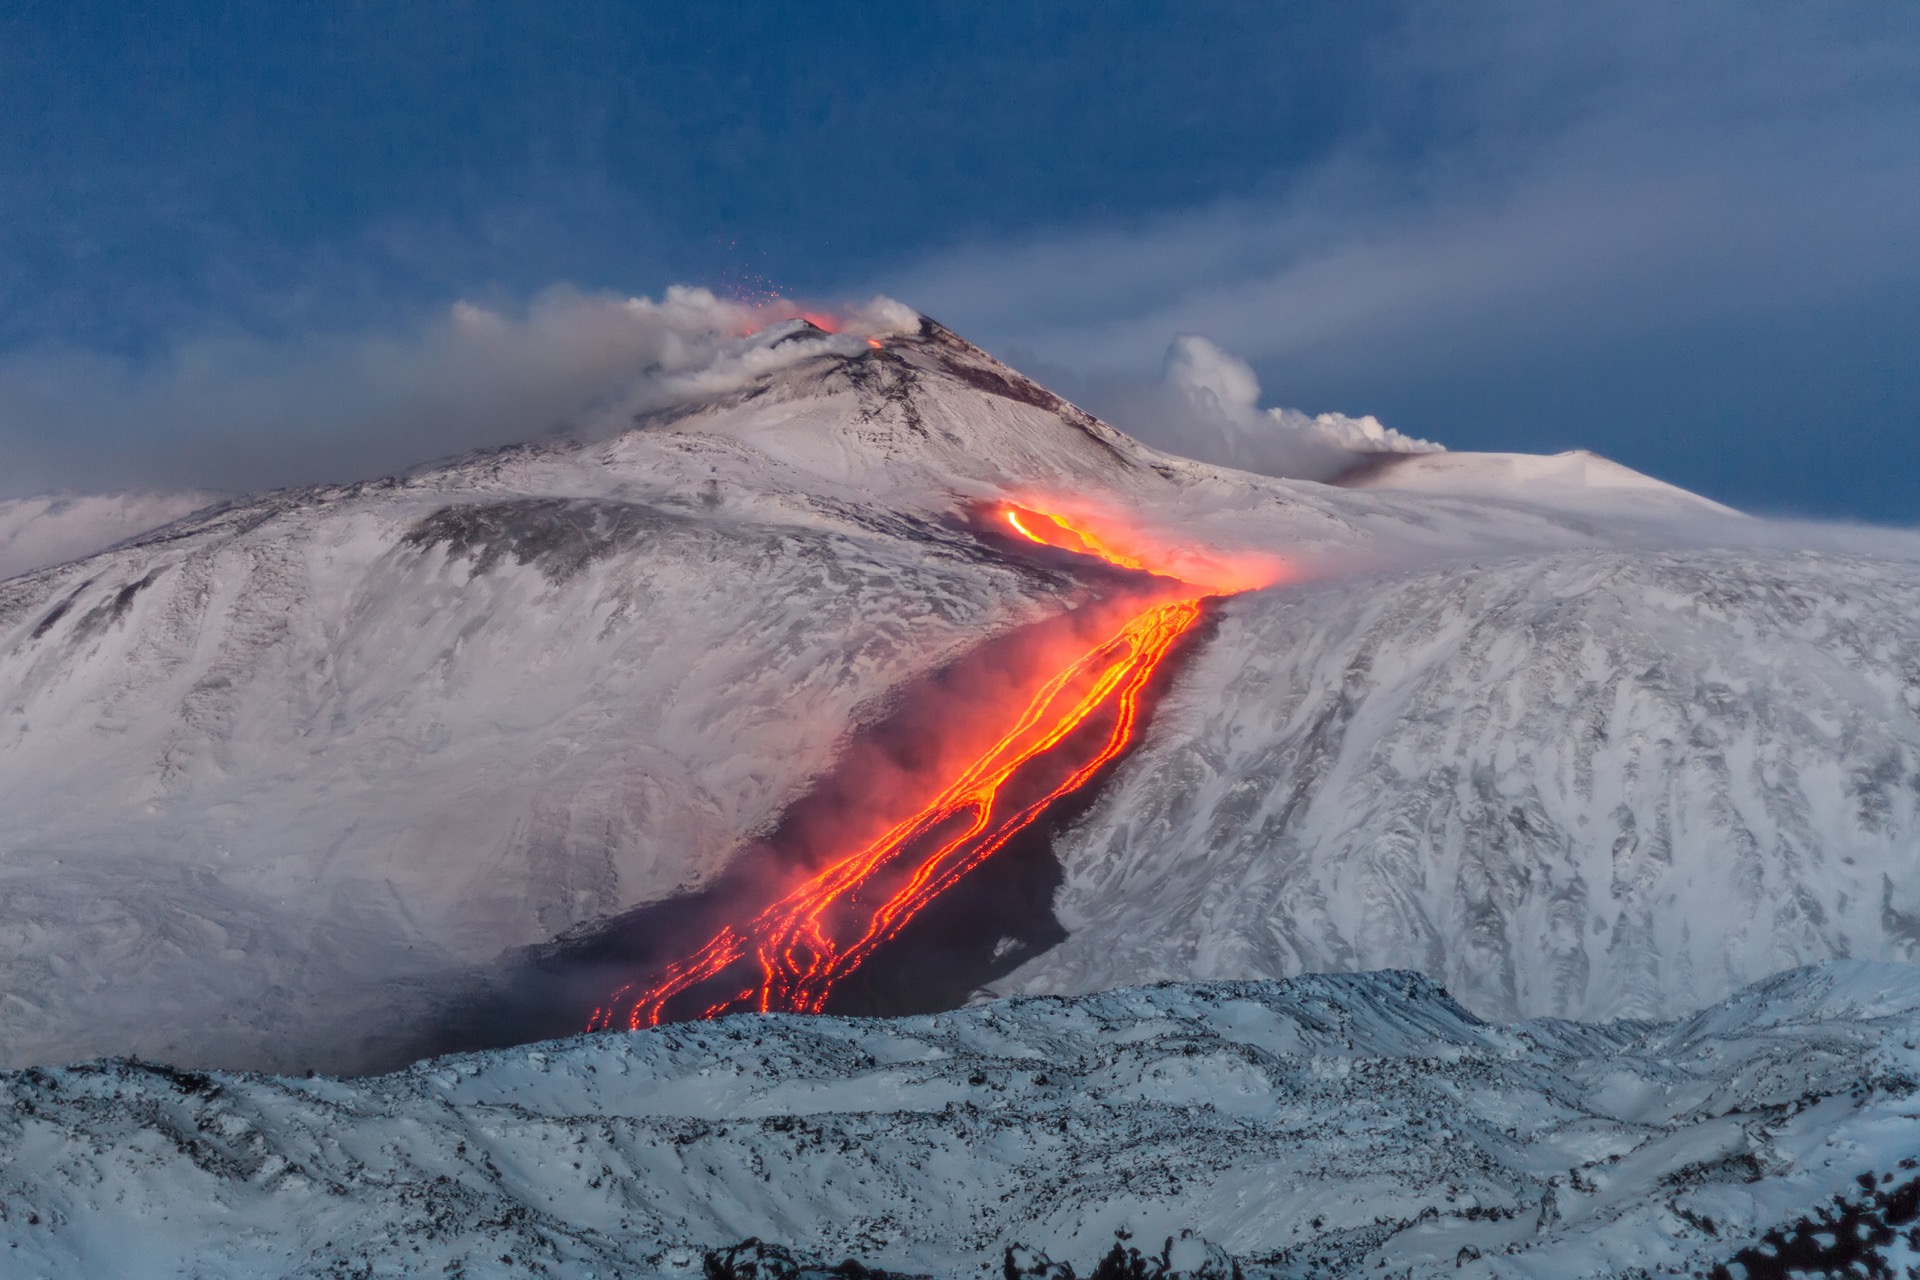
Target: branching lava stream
column 790, row 956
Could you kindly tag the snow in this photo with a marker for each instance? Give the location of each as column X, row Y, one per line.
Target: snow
column 1576, row 479
column 1326, row 1125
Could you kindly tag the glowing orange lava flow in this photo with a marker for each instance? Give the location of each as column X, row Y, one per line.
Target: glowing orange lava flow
column 1052, row 531
column 790, row 956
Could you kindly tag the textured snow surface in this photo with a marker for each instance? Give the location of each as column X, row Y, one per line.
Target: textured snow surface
column 42, row 531
column 1324, row 1126
column 1594, row 784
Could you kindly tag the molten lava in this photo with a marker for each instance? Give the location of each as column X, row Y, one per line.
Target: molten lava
column 790, row 956
column 1117, row 542
column 1052, row 531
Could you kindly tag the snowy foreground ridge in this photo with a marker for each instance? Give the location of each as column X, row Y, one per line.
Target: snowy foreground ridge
column 1359, row 1124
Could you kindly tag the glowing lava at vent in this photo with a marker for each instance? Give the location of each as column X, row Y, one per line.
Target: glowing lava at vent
column 790, row 955
column 1052, row 531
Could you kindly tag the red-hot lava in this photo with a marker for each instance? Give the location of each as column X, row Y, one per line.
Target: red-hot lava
column 773, row 309
column 790, row 956
column 1211, row 571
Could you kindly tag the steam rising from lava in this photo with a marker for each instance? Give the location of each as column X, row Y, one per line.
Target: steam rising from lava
column 791, row 955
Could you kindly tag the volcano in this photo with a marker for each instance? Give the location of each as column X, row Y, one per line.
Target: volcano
column 294, row 780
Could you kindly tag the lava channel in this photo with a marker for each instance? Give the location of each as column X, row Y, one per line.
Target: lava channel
column 789, row 957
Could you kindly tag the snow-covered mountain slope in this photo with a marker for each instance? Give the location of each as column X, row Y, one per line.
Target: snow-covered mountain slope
column 42, row 531
column 1591, row 784
column 342, row 745
column 275, row 775
column 269, row 773
column 1328, row 1126
column 1576, row 480
column 298, row 755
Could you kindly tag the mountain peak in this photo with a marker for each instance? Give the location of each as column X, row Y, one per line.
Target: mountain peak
column 920, row 407
column 1577, row 479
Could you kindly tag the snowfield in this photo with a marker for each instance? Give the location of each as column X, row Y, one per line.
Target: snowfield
column 1324, row 1126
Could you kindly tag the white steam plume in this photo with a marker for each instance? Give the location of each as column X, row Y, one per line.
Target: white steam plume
column 1207, row 407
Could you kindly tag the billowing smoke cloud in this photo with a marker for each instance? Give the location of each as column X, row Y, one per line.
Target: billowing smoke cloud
column 1207, row 406
column 246, row 413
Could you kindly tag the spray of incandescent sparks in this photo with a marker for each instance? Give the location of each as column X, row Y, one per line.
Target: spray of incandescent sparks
column 790, row 956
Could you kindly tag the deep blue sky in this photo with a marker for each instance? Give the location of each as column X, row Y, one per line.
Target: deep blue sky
column 1685, row 236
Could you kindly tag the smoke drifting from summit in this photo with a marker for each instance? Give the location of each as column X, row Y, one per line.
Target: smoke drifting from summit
column 1206, row 406
column 245, row 413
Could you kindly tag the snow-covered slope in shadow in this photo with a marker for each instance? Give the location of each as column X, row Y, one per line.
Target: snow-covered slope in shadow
column 1326, row 1126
